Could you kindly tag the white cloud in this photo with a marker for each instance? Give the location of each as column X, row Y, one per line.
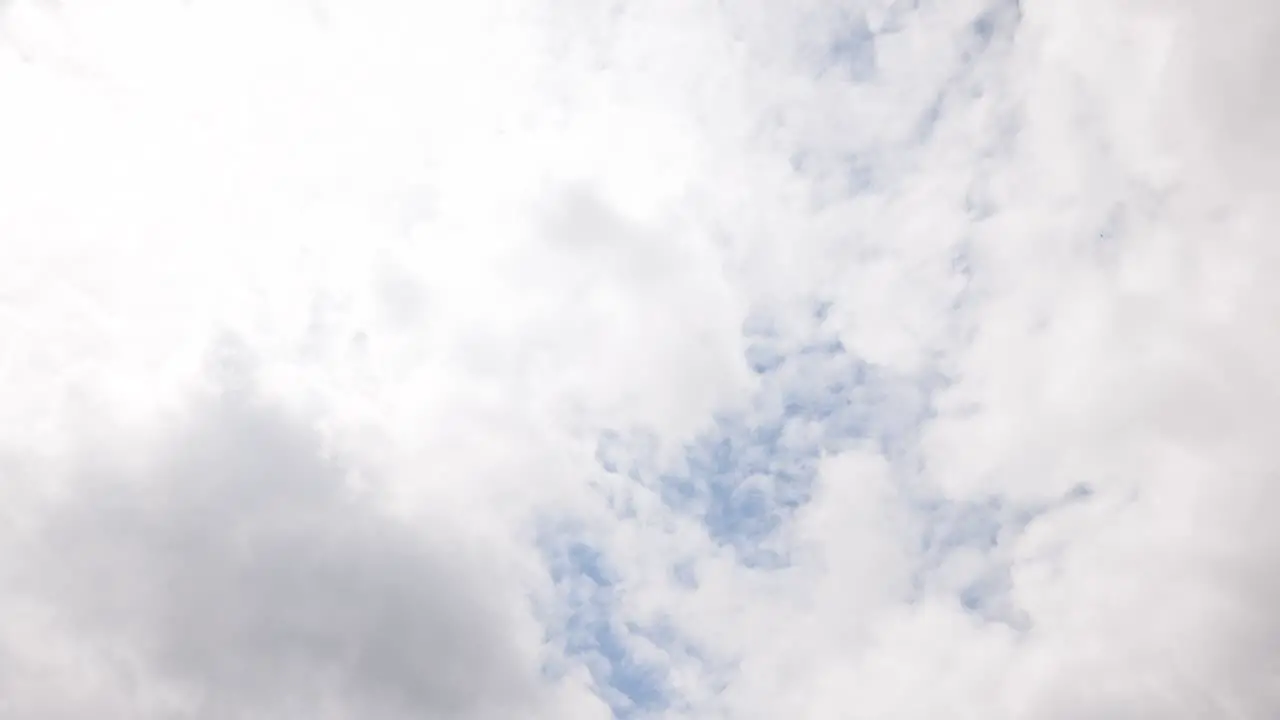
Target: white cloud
column 821, row 359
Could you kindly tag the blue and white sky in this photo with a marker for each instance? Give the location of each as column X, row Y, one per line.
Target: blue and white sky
column 855, row 359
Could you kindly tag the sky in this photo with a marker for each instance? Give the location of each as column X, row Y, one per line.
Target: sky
column 856, row 359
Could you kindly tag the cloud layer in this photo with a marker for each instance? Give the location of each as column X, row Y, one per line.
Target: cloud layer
column 673, row 360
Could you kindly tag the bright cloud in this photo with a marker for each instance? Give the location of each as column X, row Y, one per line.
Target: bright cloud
column 823, row 359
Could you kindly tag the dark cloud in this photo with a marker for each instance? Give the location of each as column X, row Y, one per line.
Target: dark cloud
column 240, row 570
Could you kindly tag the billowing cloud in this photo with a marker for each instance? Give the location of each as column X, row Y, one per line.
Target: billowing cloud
column 241, row 569
column 836, row 358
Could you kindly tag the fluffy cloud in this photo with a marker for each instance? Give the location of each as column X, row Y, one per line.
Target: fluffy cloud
column 240, row 571
column 817, row 359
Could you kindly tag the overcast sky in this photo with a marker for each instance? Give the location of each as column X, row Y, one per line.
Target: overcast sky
column 685, row 360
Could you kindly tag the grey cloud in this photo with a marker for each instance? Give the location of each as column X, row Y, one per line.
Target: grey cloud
column 244, row 573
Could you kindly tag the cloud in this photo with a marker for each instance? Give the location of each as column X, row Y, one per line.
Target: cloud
column 240, row 571
column 836, row 358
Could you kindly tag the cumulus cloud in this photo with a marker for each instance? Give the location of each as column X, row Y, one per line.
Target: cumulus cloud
column 836, row 358
column 242, row 569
